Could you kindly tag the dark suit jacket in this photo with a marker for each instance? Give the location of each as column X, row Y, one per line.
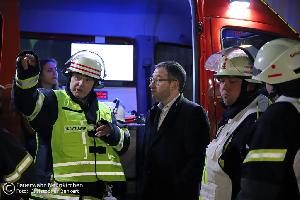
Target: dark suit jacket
column 174, row 156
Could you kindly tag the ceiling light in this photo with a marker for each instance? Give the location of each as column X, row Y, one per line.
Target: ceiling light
column 240, row 3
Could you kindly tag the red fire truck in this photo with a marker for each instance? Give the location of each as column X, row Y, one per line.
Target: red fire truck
column 222, row 25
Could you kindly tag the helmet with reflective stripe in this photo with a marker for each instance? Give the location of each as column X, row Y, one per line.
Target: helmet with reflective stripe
column 278, row 61
column 87, row 63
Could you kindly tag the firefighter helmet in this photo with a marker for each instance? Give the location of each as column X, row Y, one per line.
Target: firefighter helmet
column 278, row 61
column 233, row 61
column 236, row 66
column 87, row 63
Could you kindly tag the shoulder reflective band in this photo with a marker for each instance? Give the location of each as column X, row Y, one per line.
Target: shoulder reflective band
column 38, row 107
column 258, row 155
column 27, row 83
column 21, row 167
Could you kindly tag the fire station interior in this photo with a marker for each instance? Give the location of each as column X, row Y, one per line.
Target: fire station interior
column 132, row 36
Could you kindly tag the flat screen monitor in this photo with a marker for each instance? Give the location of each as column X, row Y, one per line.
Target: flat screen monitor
column 118, row 59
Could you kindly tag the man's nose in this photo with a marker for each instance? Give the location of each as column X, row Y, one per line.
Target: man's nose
column 80, row 82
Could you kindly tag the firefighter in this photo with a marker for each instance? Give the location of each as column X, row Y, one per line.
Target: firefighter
column 242, row 102
column 84, row 140
column 16, row 164
column 272, row 167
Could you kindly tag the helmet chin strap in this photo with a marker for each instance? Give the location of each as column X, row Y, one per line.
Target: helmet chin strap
column 244, row 94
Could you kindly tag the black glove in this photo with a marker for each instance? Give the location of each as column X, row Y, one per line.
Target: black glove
column 23, row 53
column 32, row 70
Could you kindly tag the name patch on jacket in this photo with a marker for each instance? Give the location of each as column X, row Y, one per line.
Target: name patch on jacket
column 74, row 128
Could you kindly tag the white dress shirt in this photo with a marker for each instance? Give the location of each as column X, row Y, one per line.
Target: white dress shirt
column 164, row 110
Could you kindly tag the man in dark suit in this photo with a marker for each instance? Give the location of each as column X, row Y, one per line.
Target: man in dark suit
column 177, row 133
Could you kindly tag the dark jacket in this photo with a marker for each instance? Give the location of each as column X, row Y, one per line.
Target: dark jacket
column 174, row 156
column 276, row 129
column 15, row 162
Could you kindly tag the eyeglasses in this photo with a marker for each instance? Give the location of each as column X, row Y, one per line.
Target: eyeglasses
column 157, row 81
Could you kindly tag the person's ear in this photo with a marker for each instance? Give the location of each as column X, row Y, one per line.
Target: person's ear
column 175, row 85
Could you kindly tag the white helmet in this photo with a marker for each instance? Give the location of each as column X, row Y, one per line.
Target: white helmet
column 278, row 61
column 233, row 61
column 87, row 63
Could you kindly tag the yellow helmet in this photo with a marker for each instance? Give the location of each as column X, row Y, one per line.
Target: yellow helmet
column 278, row 61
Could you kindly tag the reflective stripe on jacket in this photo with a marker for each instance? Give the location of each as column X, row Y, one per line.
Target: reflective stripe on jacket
column 20, row 168
column 76, row 156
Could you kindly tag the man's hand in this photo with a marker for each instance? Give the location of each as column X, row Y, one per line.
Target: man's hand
column 103, row 129
column 27, row 60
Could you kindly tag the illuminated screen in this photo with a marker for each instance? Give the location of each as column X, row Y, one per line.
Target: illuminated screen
column 118, row 59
